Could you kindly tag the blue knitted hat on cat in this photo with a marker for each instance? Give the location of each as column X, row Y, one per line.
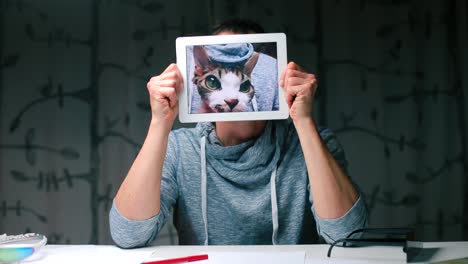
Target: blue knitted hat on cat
column 230, row 53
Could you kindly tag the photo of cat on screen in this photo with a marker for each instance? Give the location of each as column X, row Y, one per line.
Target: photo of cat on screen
column 235, row 77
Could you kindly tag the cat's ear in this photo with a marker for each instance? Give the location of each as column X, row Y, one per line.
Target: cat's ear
column 202, row 61
column 250, row 64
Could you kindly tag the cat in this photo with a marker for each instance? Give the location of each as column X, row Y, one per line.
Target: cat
column 223, row 88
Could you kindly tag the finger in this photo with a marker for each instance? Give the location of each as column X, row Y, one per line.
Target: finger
column 300, row 90
column 289, row 99
column 169, row 83
column 297, row 76
column 180, row 80
column 167, row 92
column 290, row 95
column 286, row 73
column 291, row 66
column 154, row 80
column 170, row 94
column 294, row 66
column 298, row 81
column 168, row 75
column 172, row 75
column 169, row 68
column 300, row 74
column 176, row 75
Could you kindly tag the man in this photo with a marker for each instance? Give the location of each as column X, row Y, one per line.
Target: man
column 248, row 182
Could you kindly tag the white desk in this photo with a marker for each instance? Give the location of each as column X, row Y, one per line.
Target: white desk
column 432, row 252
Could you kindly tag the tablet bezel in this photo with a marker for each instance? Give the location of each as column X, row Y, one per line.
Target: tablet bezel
column 181, row 52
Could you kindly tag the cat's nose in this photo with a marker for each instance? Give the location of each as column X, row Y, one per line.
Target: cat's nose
column 232, row 103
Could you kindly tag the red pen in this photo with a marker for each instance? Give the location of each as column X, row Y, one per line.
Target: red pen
column 178, row 260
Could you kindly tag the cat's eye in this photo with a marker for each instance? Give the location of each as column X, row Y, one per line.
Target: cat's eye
column 212, row 82
column 245, row 87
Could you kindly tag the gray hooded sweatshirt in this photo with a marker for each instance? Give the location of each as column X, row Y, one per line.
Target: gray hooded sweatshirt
column 256, row 192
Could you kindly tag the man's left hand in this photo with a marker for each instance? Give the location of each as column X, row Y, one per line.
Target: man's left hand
column 299, row 87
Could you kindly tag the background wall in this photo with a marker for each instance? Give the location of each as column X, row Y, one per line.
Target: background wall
column 74, row 109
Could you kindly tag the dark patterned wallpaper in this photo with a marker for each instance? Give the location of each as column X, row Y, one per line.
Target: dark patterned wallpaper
column 74, row 108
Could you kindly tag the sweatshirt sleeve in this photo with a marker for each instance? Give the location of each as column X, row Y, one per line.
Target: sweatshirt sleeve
column 128, row 233
column 356, row 217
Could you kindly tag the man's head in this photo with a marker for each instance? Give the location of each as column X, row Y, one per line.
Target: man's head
column 237, row 26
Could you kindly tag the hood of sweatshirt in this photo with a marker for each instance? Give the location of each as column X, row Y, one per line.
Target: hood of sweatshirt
column 260, row 157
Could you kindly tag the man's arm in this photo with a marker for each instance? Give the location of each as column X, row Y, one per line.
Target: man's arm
column 139, row 196
column 130, row 232
column 333, row 192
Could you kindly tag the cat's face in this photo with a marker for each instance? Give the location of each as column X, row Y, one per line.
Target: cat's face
column 223, row 89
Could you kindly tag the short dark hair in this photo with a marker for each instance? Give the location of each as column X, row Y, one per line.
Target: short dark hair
column 238, row 26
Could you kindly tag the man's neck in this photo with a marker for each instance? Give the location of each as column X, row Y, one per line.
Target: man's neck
column 234, row 133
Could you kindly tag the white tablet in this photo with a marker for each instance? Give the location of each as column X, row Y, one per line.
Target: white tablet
column 232, row 77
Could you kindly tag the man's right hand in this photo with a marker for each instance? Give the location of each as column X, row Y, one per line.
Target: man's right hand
column 163, row 91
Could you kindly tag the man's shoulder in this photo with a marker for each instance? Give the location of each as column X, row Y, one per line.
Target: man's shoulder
column 184, row 131
column 183, row 135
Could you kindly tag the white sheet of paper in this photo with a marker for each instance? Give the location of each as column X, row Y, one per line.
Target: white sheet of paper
column 349, row 261
column 230, row 257
column 256, row 257
column 87, row 254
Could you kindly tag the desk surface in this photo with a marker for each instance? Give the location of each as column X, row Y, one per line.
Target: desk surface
column 433, row 252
